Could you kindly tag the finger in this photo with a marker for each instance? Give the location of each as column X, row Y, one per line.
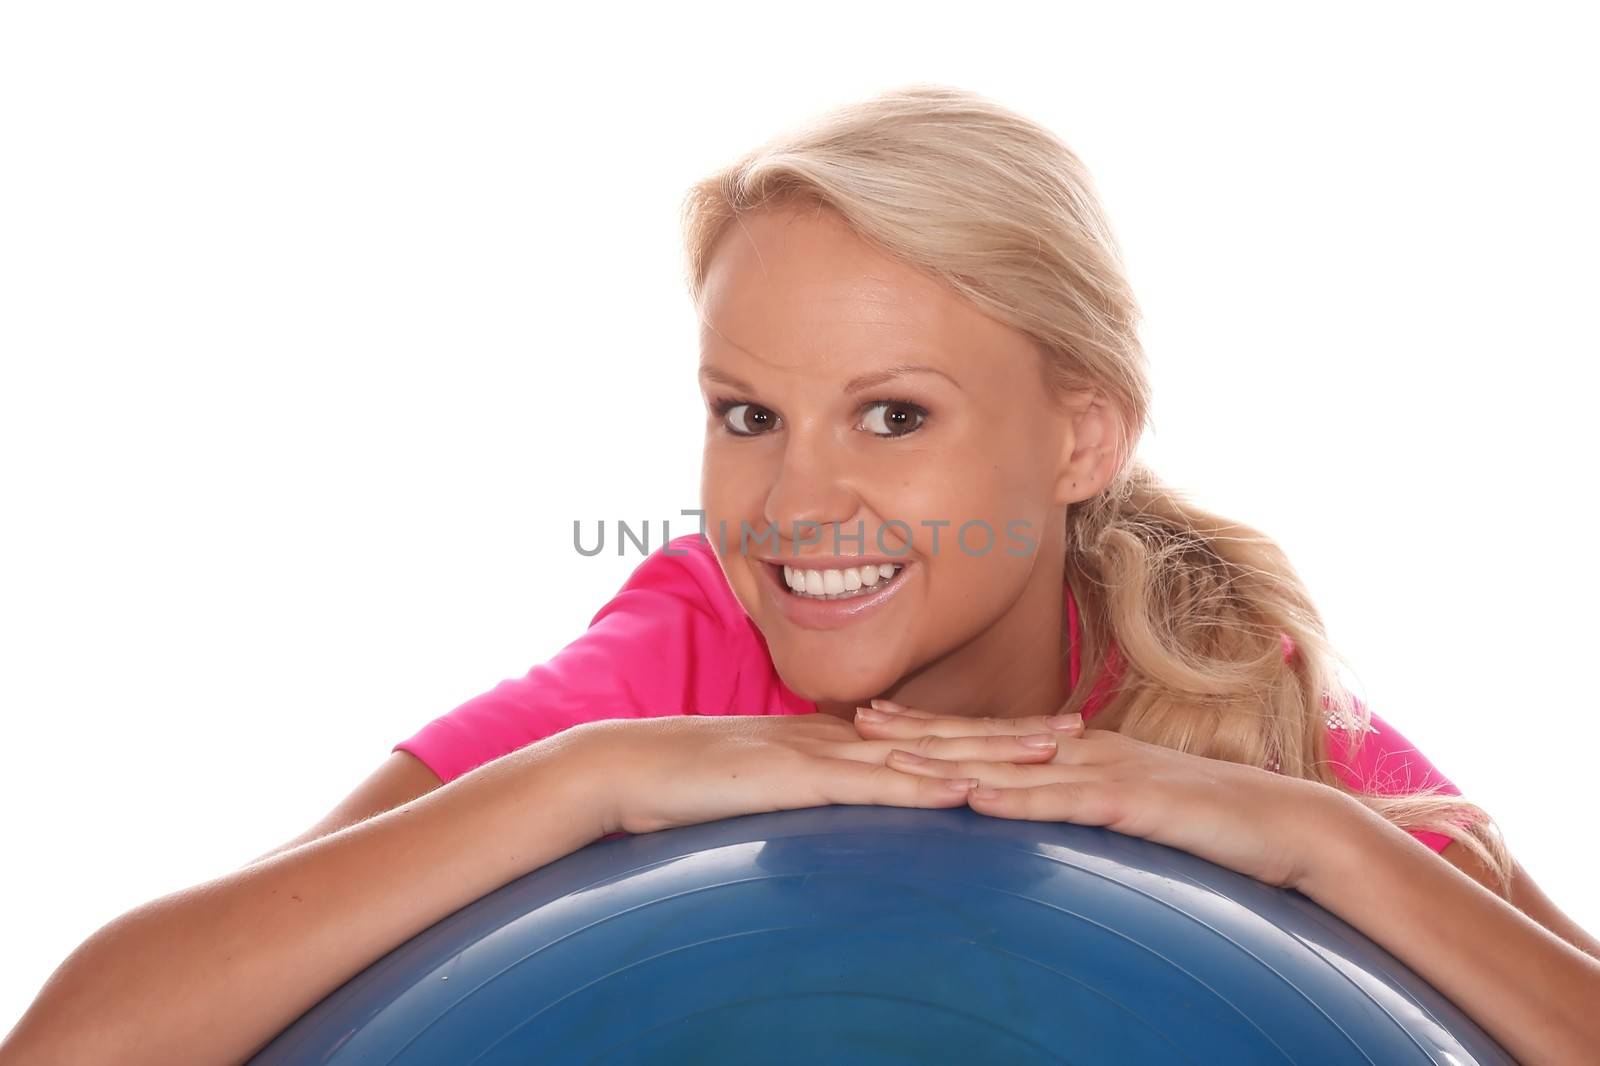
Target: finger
column 1018, row 747
column 871, row 723
column 870, row 784
column 892, row 707
column 1000, row 774
column 979, row 749
column 1080, row 802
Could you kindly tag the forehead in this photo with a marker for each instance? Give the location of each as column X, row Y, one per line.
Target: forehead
column 796, row 289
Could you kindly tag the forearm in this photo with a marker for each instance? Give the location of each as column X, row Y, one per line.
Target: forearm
column 211, row 973
column 1529, row 989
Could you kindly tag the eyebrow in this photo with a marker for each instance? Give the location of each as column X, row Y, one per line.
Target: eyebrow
column 855, row 384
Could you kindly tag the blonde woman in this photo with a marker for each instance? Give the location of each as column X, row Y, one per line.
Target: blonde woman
column 932, row 571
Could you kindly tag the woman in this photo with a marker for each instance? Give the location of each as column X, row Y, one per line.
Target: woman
column 915, row 329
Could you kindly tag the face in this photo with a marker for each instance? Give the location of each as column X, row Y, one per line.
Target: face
column 848, row 393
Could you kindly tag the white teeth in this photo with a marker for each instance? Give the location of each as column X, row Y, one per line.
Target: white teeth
column 837, row 584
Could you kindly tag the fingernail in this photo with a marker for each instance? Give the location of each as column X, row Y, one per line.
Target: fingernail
column 867, row 714
column 1039, row 740
column 887, row 706
column 960, row 784
column 1065, row 721
column 906, row 756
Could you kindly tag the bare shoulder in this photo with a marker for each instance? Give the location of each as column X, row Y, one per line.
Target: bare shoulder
column 399, row 779
column 1526, row 896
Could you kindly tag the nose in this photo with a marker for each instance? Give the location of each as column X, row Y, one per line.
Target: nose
column 811, row 490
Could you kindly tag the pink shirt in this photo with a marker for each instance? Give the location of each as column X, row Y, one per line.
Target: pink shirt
column 675, row 640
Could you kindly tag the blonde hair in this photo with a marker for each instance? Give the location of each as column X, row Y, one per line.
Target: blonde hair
column 1197, row 607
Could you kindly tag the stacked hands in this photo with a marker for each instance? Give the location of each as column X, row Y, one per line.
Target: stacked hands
column 677, row 771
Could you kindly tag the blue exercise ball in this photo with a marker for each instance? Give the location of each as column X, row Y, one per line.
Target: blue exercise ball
column 847, row 934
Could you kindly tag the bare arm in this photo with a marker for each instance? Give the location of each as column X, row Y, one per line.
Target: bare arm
column 211, row 973
column 400, row 779
column 1529, row 988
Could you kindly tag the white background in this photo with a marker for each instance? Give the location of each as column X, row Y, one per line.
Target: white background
column 321, row 323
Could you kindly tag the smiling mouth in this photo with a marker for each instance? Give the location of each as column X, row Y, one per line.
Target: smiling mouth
column 837, row 583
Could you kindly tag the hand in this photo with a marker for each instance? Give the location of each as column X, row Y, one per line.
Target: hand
column 684, row 770
column 1247, row 819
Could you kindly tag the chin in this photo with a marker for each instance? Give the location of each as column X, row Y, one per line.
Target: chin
column 836, row 682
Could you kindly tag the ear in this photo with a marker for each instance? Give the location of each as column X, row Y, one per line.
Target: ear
column 1089, row 446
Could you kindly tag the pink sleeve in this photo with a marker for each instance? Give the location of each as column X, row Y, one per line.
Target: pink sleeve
column 659, row 647
column 1387, row 763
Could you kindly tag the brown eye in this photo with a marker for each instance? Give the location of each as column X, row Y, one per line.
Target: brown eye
column 748, row 420
column 893, row 418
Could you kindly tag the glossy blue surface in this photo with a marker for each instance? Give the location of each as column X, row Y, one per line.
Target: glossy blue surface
column 885, row 935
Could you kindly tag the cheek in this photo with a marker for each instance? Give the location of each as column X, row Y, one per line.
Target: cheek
column 732, row 485
column 989, row 499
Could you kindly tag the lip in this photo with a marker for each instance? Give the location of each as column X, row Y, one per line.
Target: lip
column 830, row 614
column 832, row 562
